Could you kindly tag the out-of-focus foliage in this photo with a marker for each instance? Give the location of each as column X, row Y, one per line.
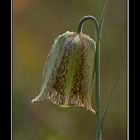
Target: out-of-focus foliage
column 36, row 23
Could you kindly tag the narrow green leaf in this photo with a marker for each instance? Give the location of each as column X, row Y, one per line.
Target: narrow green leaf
column 110, row 95
column 102, row 18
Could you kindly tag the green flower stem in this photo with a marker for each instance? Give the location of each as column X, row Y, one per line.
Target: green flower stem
column 97, row 70
column 97, row 91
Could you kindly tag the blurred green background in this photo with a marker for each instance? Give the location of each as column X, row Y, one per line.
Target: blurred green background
column 36, row 23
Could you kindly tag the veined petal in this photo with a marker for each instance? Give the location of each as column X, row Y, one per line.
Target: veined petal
column 52, row 63
column 69, row 72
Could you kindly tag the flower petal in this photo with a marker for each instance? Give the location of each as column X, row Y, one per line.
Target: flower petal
column 69, row 73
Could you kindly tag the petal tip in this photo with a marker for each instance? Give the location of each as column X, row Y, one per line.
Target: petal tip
column 35, row 100
column 94, row 112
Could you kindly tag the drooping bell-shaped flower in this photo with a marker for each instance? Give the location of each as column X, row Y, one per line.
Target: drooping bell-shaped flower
column 69, row 73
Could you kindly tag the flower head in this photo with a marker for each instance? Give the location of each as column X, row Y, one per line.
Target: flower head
column 69, row 72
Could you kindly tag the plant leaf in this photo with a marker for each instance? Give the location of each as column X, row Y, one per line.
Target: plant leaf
column 110, row 95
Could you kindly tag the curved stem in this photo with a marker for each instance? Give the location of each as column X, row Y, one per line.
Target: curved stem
column 97, row 70
column 85, row 18
column 97, row 64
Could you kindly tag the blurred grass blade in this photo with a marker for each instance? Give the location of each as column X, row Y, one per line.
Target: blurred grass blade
column 102, row 19
column 112, row 91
